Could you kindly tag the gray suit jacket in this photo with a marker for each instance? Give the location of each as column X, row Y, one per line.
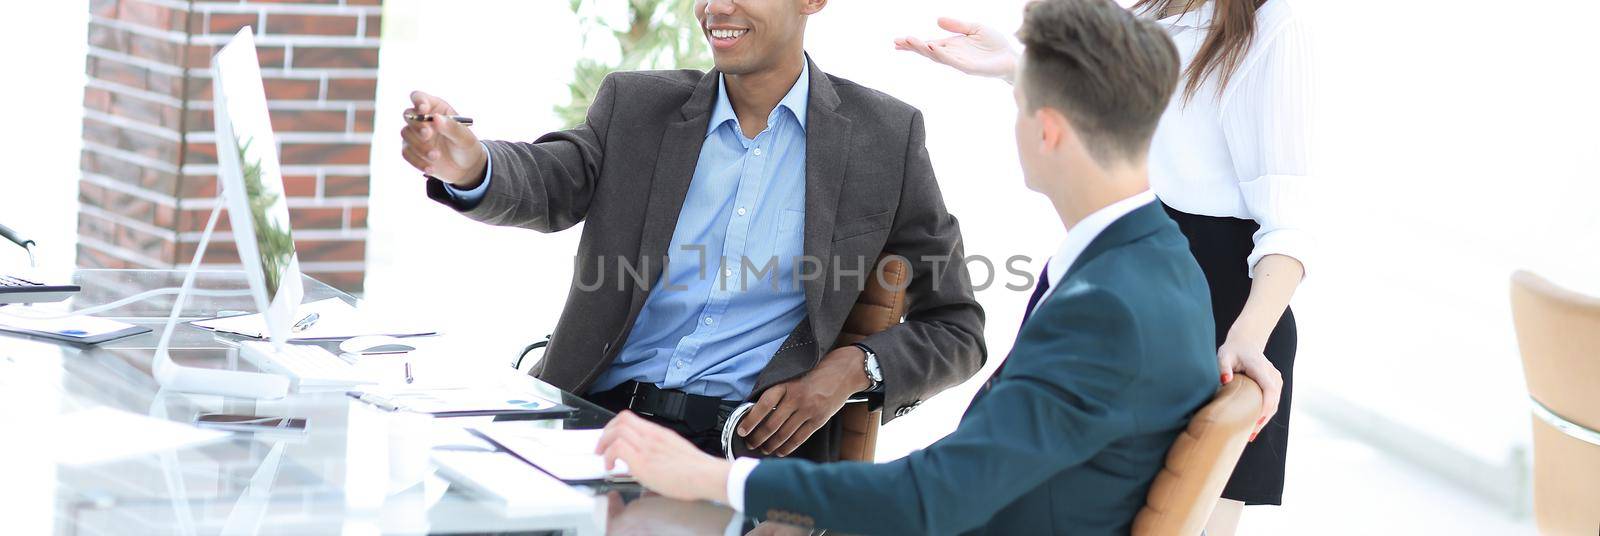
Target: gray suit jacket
column 870, row 188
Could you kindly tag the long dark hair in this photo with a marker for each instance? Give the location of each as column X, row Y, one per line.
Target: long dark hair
column 1233, row 24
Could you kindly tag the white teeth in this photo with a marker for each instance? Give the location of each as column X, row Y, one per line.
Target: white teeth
column 727, row 34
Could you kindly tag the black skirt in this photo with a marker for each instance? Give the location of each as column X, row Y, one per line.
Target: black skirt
column 1222, row 246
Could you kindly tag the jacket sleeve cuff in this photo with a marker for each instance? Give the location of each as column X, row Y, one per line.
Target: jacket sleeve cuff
column 737, row 475
column 465, row 200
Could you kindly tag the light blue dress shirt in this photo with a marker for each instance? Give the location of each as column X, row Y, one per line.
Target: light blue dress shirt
column 729, row 296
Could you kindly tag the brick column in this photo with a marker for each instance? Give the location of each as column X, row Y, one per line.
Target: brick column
column 149, row 154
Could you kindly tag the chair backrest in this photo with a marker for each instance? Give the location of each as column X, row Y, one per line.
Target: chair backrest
column 1558, row 332
column 882, row 304
column 1200, row 462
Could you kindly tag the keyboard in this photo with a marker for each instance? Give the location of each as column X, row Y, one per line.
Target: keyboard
column 15, row 289
column 307, row 365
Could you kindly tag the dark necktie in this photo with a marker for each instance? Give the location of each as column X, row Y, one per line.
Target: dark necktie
column 1039, row 290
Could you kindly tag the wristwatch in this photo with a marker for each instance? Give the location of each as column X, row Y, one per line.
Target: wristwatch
column 874, row 372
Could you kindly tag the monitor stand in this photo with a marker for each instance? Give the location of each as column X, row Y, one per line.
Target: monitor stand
column 234, row 383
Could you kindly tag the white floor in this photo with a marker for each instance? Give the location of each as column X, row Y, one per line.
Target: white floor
column 1337, row 485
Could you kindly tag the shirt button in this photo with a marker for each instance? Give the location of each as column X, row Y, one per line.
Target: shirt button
column 756, row 152
column 708, row 321
column 682, row 364
column 741, row 211
column 727, row 272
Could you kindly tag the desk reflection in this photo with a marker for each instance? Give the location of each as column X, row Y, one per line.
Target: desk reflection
column 634, row 513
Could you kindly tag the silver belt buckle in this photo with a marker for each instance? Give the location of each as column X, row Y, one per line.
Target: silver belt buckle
column 731, row 425
column 633, row 400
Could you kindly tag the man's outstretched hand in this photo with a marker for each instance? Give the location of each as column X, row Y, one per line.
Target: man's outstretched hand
column 663, row 461
column 442, row 148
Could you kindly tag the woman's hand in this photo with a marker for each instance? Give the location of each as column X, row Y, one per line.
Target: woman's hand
column 1244, row 353
column 1276, row 278
column 663, row 461
column 978, row 50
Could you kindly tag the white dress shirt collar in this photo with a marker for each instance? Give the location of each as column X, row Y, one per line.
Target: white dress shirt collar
column 796, row 100
column 1081, row 235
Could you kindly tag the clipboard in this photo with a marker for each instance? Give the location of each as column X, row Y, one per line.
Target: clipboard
column 78, row 329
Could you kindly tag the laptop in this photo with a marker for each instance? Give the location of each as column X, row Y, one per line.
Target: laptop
column 20, row 289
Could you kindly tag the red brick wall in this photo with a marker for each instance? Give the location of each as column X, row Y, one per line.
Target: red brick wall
column 149, row 153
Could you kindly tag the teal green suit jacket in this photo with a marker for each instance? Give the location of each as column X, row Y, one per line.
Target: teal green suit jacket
column 1101, row 380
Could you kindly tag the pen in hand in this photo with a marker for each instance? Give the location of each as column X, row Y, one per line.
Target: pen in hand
column 440, row 143
column 424, row 118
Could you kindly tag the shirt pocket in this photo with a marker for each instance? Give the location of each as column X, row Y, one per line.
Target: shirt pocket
column 790, row 221
column 788, row 244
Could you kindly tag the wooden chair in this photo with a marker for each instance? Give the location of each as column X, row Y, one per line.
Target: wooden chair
column 1200, row 462
column 1558, row 332
column 882, row 304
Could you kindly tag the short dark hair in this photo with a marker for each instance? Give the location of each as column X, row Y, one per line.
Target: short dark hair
column 1110, row 72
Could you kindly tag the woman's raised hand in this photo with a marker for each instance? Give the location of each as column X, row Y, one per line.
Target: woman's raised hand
column 976, row 49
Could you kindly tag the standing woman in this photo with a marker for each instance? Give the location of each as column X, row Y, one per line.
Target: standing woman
column 1231, row 162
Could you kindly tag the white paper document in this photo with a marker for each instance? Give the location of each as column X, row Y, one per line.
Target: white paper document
column 336, row 320
column 567, row 454
column 523, row 490
column 103, row 434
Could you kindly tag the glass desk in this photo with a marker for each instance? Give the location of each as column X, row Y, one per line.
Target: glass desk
column 334, row 479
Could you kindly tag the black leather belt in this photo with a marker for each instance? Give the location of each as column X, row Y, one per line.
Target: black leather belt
column 700, row 413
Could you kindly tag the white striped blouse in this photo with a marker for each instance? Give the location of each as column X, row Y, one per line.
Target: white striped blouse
column 1246, row 153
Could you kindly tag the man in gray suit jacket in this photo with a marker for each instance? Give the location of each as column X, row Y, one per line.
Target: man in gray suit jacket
column 731, row 220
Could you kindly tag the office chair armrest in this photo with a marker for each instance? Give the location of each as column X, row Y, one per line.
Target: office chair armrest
column 540, row 346
column 874, row 401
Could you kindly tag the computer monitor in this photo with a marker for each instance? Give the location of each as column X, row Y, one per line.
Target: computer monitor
column 251, row 184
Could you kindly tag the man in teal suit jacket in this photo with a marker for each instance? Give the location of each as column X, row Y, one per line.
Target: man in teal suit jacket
column 1117, row 350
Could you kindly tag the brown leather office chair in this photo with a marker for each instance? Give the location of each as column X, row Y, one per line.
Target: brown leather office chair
column 1558, row 332
column 882, row 304
column 1200, row 461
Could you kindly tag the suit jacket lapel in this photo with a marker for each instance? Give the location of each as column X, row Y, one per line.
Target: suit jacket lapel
column 1130, row 227
column 827, row 158
column 675, row 163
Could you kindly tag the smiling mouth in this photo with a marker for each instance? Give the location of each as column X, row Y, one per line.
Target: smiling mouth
column 725, row 37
